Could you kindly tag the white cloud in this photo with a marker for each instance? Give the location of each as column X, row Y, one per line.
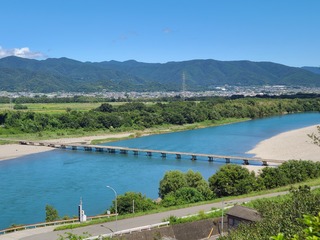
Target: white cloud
column 24, row 52
column 167, row 30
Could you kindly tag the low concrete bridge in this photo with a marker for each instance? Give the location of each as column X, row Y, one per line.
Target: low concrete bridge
column 150, row 152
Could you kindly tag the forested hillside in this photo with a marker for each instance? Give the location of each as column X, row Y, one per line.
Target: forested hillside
column 50, row 75
column 312, row 69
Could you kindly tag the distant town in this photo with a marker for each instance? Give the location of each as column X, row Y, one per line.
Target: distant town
column 223, row 91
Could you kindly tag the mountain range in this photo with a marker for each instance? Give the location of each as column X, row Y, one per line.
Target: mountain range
column 63, row 74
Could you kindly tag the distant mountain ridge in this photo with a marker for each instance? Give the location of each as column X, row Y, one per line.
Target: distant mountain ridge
column 63, row 74
column 312, row 69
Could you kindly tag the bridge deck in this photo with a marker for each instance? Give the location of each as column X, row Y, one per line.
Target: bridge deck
column 149, row 152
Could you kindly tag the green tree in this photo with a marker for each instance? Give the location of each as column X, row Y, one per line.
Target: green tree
column 196, row 180
column 125, row 203
column 51, row 213
column 171, row 182
column 231, row 180
column 280, row 215
column 183, row 195
column 271, row 177
column 105, row 107
column 300, row 170
column 310, row 232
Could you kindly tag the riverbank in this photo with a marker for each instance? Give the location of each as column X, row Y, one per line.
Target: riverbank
column 294, row 144
column 10, row 151
column 289, row 145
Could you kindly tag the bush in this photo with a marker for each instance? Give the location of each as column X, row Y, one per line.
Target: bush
column 182, row 196
column 280, row 217
column 232, row 180
column 171, row 182
column 19, row 107
column 125, row 203
column 51, row 213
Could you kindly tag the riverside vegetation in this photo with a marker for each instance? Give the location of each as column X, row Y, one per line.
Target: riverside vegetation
column 178, row 189
column 294, row 216
column 138, row 116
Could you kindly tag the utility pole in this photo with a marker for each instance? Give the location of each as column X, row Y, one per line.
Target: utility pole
column 183, row 95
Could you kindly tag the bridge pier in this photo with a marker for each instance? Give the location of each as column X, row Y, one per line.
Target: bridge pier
column 87, row 148
column 227, row 160
column 74, row 147
column 210, row 159
column 135, row 152
column 99, row 149
column 193, row 157
column 149, row 154
column 123, row 151
column 163, row 155
column 111, row 150
column 245, row 162
column 178, row 156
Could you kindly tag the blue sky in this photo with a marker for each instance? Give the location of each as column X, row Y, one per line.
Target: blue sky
column 282, row 31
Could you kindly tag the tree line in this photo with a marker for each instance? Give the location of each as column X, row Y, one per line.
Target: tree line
column 178, row 188
column 138, row 115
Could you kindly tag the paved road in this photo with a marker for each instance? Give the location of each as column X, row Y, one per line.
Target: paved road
column 47, row 233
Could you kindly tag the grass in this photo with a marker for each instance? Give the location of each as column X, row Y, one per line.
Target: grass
column 4, row 142
column 13, row 134
column 105, row 140
column 53, row 108
column 197, row 217
column 312, row 182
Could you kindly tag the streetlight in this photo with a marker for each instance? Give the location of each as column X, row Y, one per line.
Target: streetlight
column 115, row 195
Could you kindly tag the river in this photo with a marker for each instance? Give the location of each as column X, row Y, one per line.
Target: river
column 61, row 177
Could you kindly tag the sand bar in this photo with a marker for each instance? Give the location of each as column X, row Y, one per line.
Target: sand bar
column 289, row 145
column 10, row 151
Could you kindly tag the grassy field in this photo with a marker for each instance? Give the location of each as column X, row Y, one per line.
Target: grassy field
column 52, row 108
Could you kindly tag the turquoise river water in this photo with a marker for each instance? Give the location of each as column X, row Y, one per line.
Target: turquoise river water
column 61, row 177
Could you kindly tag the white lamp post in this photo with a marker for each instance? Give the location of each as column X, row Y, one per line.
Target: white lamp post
column 115, row 195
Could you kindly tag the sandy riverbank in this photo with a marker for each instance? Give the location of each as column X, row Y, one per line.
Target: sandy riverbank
column 289, row 145
column 11, row 151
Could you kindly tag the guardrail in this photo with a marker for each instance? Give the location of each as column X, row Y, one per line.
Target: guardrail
column 54, row 223
column 131, row 230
